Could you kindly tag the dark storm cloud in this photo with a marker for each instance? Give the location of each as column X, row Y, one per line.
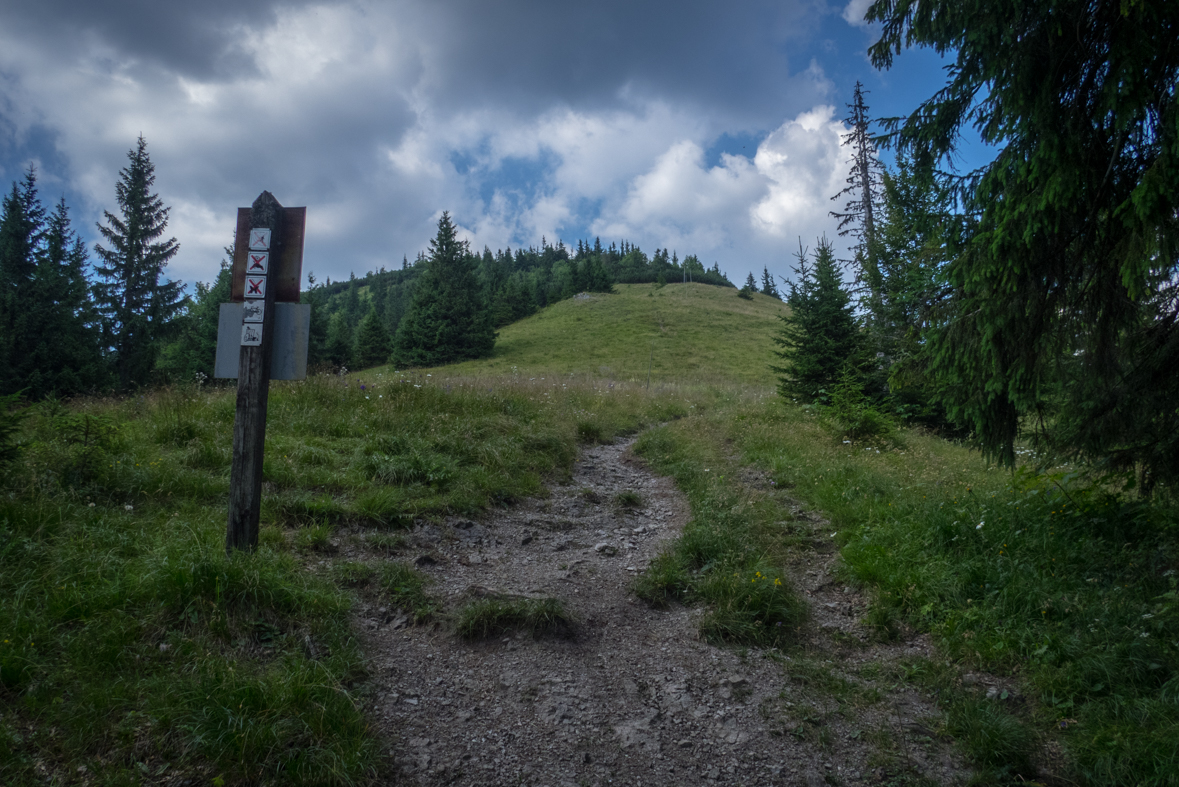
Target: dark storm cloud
column 192, row 38
column 732, row 57
column 523, row 53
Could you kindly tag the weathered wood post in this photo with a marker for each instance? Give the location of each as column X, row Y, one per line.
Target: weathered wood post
column 253, row 380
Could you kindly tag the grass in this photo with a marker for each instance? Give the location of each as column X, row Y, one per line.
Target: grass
column 686, row 333
column 490, row 617
column 730, row 552
column 1045, row 576
column 628, row 498
column 399, row 583
column 132, row 645
column 129, row 642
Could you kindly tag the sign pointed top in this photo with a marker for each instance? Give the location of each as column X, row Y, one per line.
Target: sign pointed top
column 265, row 210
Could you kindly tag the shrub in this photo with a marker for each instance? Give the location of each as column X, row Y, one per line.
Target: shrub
column 851, row 413
column 10, row 420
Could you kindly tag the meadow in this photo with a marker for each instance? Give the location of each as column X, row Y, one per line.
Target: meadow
column 133, row 650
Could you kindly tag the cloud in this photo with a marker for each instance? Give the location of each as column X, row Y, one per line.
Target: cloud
column 745, row 211
column 522, row 118
column 854, row 11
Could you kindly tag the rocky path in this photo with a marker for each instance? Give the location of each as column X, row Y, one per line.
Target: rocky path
column 634, row 697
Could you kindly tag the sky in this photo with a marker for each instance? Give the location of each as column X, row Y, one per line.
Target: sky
column 703, row 127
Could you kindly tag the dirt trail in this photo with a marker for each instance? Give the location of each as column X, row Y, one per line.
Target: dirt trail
column 635, row 697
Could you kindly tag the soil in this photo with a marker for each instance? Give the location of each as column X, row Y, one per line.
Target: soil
column 633, row 696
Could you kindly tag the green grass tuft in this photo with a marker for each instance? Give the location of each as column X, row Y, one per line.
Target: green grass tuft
column 628, row 498
column 489, row 617
column 399, row 583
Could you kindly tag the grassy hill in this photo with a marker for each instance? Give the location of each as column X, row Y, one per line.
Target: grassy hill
column 687, row 332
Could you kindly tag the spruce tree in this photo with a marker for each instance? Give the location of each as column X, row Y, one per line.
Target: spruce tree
column 137, row 306
column 339, row 347
column 49, row 341
column 819, row 335
column 749, row 288
column 318, row 329
column 1062, row 312
column 22, row 227
column 63, row 355
column 190, row 356
column 448, row 319
column 767, row 284
column 859, row 216
column 372, row 341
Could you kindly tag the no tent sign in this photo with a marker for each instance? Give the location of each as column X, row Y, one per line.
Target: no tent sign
column 262, row 335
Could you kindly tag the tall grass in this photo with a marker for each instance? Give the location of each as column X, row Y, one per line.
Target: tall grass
column 1046, row 576
column 132, row 646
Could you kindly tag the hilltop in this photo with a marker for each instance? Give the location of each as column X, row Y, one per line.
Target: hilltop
column 686, row 332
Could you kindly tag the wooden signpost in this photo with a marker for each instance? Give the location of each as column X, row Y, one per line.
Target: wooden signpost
column 267, row 267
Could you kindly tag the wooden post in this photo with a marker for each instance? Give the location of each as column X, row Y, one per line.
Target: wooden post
column 253, row 388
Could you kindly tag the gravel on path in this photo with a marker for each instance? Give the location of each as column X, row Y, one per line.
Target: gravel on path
column 634, row 696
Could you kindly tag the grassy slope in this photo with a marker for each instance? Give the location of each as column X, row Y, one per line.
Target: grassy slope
column 688, row 332
column 88, row 594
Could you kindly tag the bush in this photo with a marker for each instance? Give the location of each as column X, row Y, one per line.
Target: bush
column 851, row 413
column 10, row 419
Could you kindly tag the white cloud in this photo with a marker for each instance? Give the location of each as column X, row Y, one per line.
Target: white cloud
column 853, row 12
column 745, row 212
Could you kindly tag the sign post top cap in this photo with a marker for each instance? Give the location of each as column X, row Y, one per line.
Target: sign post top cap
column 266, row 200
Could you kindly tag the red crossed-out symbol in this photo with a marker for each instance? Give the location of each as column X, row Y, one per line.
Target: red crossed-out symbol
column 255, row 286
column 259, row 239
column 256, row 261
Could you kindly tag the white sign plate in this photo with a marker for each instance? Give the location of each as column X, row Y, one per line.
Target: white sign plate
column 251, row 335
column 255, row 286
column 257, row 262
column 259, row 239
column 252, row 311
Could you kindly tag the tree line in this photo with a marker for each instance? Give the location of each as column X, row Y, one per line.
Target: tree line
column 362, row 322
column 70, row 325
column 1034, row 299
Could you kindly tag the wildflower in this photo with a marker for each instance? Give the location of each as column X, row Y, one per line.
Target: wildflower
column 128, row 507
